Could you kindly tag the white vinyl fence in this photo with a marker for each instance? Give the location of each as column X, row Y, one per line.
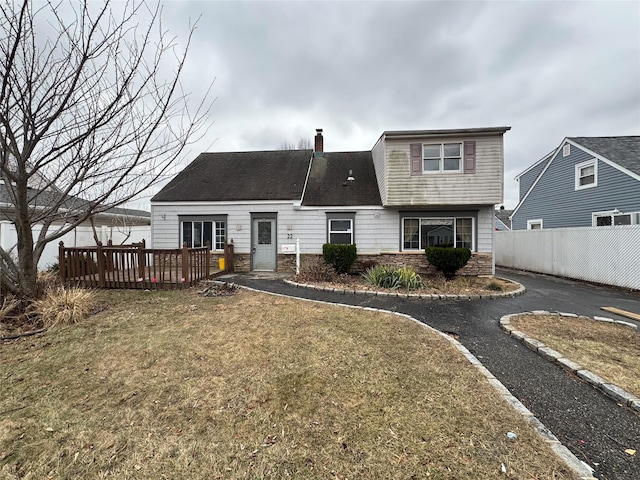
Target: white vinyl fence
column 607, row 255
column 80, row 237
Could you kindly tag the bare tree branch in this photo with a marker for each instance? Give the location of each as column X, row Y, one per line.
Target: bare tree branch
column 92, row 113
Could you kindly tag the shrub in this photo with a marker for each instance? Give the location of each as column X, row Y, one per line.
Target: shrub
column 448, row 260
column 317, row 271
column 61, row 306
column 386, row 276
column 340, row 257
column 493, row 285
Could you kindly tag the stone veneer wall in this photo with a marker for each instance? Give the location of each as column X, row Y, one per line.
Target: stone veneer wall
column 479, row 263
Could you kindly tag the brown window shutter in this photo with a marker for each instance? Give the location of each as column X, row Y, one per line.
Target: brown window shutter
column 416, row 158
column 470, row 156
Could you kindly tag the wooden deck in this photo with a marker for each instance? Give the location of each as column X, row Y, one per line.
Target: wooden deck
column 135, row 267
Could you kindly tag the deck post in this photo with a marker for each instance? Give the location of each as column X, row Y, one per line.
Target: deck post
column 207, row 261
column 228, row 257
column 101, row 265
column 141, row 260
column 62, row 269
column 185, row 263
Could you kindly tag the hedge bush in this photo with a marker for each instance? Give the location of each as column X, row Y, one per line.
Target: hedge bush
column 448, row 260
column 340, row 257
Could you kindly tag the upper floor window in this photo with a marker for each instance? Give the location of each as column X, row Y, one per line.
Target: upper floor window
column 587, row 174
column 442, row 157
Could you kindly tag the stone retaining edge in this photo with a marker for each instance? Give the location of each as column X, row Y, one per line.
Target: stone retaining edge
column 583, row 471
column 610, row 389
column 521, row 289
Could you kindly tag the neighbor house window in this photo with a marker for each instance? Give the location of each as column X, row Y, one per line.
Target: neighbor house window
column 196, row 233
column 587, row 174
column 341, row 231
column 442, row 157
column 614, row 217
column 419, row 233
column 534, row 224
column 566, row 150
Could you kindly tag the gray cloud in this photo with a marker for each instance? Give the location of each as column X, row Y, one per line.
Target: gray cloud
column 547, row 69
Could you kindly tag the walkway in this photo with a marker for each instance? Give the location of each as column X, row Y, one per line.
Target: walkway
column 593, row 426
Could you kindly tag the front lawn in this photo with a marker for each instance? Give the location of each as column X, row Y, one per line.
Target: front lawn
column 177, row 385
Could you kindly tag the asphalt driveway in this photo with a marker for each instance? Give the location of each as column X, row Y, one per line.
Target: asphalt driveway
column 593, row 426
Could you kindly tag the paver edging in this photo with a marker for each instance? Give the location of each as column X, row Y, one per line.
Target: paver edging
column 583, row 471
column 614, row 391
column 430, row 296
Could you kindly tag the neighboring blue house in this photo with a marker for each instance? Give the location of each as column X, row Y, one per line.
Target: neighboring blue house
column 586, row 181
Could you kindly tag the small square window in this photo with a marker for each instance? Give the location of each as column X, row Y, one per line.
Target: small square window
column 534, row 224
column 341, row 231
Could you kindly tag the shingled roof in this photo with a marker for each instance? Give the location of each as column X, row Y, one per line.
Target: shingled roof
column 328, row 184
column 625, row 151
column 237, row 176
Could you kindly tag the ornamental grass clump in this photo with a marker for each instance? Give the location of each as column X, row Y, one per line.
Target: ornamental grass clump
column 392, row 277
column 64, row 305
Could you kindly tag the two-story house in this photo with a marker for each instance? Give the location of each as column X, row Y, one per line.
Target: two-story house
column 412, row 190
column 584, row 182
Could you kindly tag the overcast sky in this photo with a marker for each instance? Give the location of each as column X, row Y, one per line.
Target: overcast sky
column 546, row 69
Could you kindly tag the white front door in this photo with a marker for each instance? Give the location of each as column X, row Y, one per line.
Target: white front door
column 264, row 244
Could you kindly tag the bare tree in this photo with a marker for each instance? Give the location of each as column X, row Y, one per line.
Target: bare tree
column 92, row 113
column 303, row 144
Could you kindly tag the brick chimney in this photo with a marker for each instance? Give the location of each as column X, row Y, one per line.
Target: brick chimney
column 318, row 150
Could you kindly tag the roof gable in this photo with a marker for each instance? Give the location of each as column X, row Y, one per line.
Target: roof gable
column 328, row 185
column 240, row 176
column 624, row 151
column 623, row 154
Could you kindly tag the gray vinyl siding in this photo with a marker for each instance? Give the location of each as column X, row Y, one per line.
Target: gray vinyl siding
column 379, row 154
column 555, row 200
column 527, row 179
column 485, row 186
column 376, row 229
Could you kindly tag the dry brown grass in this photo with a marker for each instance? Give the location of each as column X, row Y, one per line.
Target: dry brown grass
column 63, row 305
column 608, row 350
column 175, row 385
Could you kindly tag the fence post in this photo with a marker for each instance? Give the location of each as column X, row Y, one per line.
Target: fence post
column 185, row 263
column 207, row 261
column 229, row 257
column 61, row 263
column 297, row 256
column 141, row 261
column 101, row 264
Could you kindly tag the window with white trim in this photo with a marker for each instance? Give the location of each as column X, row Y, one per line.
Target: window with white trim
column 614, row 217
column 566, row 150
column 196, row 233
column 341, row 231
column 534, row 224
column 441, row 157
column 587, row 174
column 419, row 233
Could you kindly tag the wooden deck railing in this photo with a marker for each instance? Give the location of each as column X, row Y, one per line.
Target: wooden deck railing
column 134, row 266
